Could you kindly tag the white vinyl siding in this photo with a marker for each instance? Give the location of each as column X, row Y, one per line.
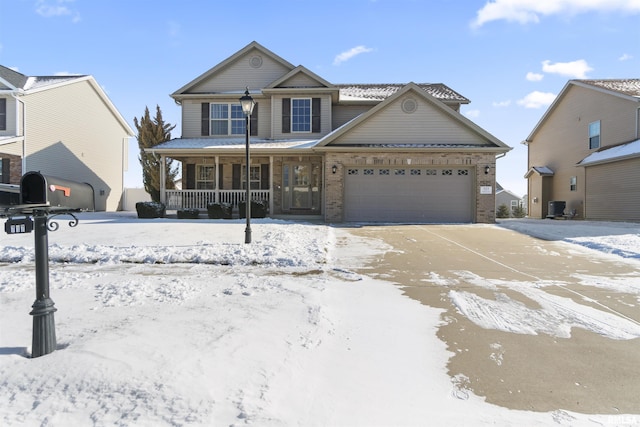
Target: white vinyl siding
column 74, row 135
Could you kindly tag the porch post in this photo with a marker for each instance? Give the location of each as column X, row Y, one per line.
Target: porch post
column 271, row 185
column 163, row 178
column 217, row 179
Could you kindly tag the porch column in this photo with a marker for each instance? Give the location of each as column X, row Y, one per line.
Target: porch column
column 271, row 185
column 217, row 180
column 163, row 189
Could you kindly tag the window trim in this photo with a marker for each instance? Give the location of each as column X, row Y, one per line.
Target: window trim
column 230, row 120
column 594, row 139
column 198, row 176
column 307, row 117
column 573, row 183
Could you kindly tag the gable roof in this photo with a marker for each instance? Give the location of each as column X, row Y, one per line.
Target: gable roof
column 492, row 142
column 230, row 60
column 625, row 88
column 540, row 170
column 13, row 79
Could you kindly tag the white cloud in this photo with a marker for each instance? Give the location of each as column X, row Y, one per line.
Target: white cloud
column 347, row 55
column 55, row 8
column 534, row 77
column 501, row 104
column 472, row 114
column 529, row 11
column 537, row 99
column 625, row 57
column 574, row 69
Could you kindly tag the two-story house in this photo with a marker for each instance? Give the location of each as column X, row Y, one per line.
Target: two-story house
column 348, row 152
column 62, row 126
column 584, row 153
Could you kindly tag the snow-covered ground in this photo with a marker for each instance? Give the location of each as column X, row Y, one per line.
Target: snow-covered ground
column 177, row 322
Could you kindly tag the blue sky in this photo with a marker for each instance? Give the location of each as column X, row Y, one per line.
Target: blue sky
column 509, row 57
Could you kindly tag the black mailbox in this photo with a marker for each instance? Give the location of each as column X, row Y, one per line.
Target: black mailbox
column 39, row 189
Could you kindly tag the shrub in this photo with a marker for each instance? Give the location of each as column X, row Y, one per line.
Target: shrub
column 150, row 210
column 259, row 209
column 219, row 210
column 188, row 213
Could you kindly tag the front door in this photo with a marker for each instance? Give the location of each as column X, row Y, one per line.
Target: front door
column 301, row 185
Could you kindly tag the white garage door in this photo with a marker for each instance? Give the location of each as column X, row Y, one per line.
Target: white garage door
column 409, row 194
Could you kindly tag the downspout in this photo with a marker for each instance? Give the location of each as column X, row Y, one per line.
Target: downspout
column 24, row 130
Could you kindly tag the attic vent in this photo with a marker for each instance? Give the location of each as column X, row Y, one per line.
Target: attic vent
column 409, row 105
column 255, row 61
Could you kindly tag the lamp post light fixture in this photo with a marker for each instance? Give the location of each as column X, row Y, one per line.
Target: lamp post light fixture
column 247, row 104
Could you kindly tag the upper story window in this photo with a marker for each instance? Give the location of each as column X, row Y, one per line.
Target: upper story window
column 3, row 114
column 301, row 115
column 227, row 119
column 594, row 135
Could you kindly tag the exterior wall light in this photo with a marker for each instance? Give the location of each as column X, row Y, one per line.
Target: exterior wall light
column 334, row 169
column 487, row 169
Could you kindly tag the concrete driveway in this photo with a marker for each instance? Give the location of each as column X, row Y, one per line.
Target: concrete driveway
column 531, row 324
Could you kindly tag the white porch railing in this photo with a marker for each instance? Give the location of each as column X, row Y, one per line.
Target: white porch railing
column 199, row 199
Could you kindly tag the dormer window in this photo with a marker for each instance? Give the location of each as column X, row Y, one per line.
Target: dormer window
column 594, row 135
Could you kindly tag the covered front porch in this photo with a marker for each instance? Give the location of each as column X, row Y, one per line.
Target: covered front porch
column 200, row 199
column 288, row 185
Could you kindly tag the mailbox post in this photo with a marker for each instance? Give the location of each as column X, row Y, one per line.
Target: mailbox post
column 44, row 328
column 43, row 197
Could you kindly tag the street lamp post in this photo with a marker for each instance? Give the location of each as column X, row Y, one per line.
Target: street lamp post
column 247, row 104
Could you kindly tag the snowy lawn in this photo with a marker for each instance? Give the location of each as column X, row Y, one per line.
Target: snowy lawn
column 177, row 322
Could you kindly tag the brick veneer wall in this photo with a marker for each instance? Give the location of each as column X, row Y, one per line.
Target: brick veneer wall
column 15, row 170
column 334, row 196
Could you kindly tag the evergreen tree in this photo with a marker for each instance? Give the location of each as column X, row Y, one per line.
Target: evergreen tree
column 152, row 132
column 503, row 211
column 518, row 212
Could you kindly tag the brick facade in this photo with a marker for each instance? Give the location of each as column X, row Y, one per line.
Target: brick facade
column 334, row 182
column 15, row 168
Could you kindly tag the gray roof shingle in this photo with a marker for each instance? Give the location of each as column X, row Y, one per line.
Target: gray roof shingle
column 629, row 87
column 379, row 92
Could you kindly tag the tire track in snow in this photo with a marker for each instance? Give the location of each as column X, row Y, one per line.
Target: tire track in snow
column 536, row 278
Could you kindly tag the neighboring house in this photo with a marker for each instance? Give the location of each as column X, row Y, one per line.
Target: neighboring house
column 62, row 126
column 360, row 152
column 507, row 198
column 585, row 152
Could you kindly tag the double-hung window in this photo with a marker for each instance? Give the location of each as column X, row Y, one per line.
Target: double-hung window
column 594, row 135
column 205, row 177
column 227, row 119
column 301, row 115
column 254, row 176
column 573, row 183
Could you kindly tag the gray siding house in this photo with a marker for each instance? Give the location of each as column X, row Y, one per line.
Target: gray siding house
column 357, row 152
column 62, row 126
